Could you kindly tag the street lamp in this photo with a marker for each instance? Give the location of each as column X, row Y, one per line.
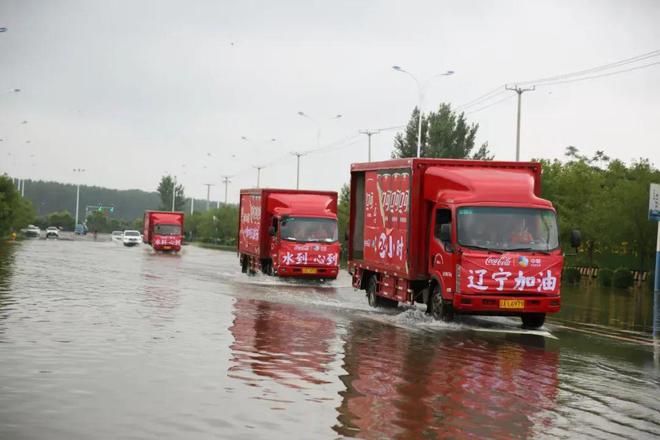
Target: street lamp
column 78, row 170
column 298, row 154
column 318, row 125
column 258, row 167
column 421, row 88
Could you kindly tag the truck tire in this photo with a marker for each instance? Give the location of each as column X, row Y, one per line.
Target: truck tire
column 440, row 309
column 372, row 287
column 244, row 264
column 532, row 320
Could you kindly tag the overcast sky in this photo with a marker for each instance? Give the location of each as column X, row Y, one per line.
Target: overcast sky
column 131, row 89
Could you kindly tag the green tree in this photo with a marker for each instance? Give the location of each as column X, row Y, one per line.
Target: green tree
column 15, row 212
column 165, row 190
column 218, row 226
column 97, row 221
column 445, row 133
column 343, row 208
column 62, row 219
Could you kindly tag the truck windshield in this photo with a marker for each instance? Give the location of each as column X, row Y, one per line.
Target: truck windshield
column 167, row 229
column 309, row 229
column 507, row 229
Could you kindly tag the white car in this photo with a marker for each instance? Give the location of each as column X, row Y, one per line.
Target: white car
column 32, row 231
column 132, row 238
column 52, row 232
column 118, row 236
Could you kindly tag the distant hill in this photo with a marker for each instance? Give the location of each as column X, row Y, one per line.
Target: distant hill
column 48, row 197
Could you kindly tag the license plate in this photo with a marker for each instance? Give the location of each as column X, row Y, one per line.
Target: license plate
column 308, row 270
column 167, row 247
column 512, row 304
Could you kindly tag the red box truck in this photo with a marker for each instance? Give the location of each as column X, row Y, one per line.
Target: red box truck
column 461, row 236
column 289, row 233
column 163, row 230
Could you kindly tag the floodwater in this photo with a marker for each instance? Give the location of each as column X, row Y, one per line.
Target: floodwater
column 101, row 341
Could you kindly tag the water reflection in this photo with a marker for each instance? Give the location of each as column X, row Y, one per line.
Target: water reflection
column 280, row 342
column 427, row 385
column 7, row 257
column 588, row 303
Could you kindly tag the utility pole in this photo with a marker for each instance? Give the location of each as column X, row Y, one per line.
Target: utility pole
column 173, row 192
column 78, row 170
column 369, row 133
column 226, row 181
column 519, row 91
column 298, row 155
column 192, row 205
column 208, row 194
column 259, row 168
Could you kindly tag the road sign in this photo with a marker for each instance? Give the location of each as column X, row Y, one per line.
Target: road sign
column 654, row 202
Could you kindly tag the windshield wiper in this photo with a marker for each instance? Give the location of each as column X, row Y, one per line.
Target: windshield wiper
column 529, row 249
column 483, row 248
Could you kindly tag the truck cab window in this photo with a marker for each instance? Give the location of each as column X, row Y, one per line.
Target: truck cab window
column 442, row 217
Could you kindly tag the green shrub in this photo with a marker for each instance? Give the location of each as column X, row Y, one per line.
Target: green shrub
column 605, row 277
column 622, row 278
column 571, row 275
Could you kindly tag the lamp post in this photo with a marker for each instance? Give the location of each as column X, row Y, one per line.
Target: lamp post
column 78, row 170
column 318, row 125
column 421, row 88
column 173, row 192
column 298, row 155
column 258, row 167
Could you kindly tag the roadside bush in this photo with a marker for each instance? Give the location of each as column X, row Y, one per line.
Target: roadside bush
column 571, row 275
column 622, row 278
column 605, row 277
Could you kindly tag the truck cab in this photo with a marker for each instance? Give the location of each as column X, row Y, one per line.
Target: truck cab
column 304, row 245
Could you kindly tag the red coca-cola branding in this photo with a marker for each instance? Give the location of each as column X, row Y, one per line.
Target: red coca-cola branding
column 387, row 195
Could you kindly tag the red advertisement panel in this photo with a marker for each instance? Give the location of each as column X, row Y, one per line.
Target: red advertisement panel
column 387, row 196
column 308, row 254
column 511, row 273
column 250, row 223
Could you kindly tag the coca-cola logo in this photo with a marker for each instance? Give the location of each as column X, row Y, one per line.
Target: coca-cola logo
column 498, row 261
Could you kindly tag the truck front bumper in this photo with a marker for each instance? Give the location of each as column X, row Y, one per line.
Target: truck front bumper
column 308, row 272
column 505, row 304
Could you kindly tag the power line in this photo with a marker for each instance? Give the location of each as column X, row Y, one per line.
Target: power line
column 599, row 68
column 643, row 66
column 485, row 97
column 506, row 98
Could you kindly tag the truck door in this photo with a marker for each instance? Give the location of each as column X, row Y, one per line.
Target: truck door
column 440, row 253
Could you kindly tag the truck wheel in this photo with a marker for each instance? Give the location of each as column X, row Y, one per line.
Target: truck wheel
column 244, row 265
column 533, row 320
column 372, row 286
column 440, row 309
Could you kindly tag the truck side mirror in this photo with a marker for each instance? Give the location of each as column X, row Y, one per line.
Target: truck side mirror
column 576, row 238
column 271, row 231
column 445, row 233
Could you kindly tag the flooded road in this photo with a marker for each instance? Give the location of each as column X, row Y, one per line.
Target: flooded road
column 102, row 341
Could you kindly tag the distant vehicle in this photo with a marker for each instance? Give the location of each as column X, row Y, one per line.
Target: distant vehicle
column 163, row 230
column 118, row 236
column 131, row 238
column 52, row 232
column 32, row 231
column 80, row 229
column 289, row 233
column 461, row 236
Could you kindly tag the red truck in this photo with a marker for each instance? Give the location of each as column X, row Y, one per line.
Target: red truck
column 460, row 236
column 163, row 230
column 289, row 233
